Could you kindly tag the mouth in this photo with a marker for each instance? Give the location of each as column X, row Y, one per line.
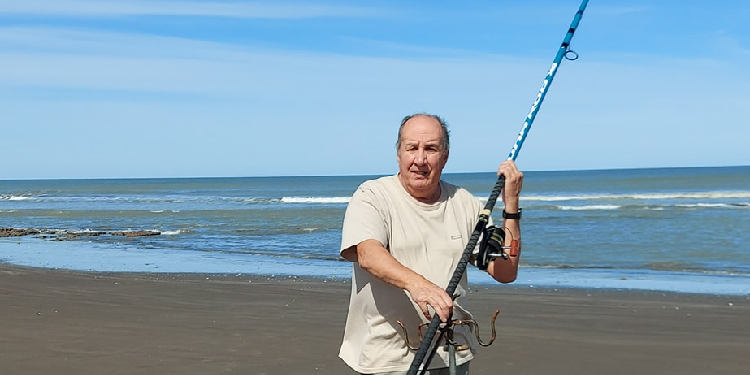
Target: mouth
column 420, row 173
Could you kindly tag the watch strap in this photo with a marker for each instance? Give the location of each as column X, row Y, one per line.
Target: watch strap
column 515, row 216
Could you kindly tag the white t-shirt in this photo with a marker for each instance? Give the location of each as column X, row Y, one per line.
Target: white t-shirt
column 427, row 238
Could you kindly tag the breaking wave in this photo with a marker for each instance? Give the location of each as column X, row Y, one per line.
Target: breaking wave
column 642, row 196
column 316, row 199
column 591, row 207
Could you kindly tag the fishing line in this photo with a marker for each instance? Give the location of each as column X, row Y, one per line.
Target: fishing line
column 563, row 52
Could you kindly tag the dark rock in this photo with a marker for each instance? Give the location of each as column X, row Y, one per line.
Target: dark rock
column 87, row 233
column 17, row 232
column 135, row 233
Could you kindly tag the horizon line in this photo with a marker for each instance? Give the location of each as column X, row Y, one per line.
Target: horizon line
column 357, row 174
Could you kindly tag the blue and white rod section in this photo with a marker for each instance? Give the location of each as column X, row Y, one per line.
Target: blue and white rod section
column 564, row 49
column 424, row 346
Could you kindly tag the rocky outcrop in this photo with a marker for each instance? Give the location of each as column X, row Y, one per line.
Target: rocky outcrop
column 87, row 233
column 135, row 233
column 69, row 235
column 17, row 232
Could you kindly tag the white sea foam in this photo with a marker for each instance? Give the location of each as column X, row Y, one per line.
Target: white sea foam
column 694, row 195
column 82, row 231
column 590, row 207
column 544, row 198
column 315, row 199
column 172, row 232
column 643, row 196
column 15, row 197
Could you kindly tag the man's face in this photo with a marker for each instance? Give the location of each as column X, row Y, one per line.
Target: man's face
column 421, row 157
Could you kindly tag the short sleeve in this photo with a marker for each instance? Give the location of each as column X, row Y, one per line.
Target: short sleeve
column 364, row 219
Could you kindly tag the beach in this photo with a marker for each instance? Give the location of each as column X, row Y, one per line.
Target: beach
column 74, row 322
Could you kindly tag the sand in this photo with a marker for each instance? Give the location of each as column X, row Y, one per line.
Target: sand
column 66, row 322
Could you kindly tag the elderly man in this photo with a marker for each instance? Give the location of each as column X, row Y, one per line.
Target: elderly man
column 405, row 235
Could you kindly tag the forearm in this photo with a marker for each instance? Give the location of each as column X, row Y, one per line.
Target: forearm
column 378, row 261
column 375, row 259
column 506, row 270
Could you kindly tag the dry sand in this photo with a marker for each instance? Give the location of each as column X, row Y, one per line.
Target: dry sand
column 64, row 322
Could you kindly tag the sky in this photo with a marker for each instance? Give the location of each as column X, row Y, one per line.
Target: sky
column 115, row 88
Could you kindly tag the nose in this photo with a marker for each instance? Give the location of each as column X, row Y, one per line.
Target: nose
column 420, row 157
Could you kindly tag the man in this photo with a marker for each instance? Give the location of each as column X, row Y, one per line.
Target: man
column 405, row 235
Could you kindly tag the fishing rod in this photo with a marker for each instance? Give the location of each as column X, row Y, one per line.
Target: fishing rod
column 484, row 215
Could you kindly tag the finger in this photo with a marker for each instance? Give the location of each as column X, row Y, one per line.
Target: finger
column 425, row 310
column 443, row 300
column 444, row 309
column 444, row 315
column 439, row 310
column 507, row 169
column 501, row 170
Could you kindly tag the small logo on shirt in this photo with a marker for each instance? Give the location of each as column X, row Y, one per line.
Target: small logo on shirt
column 455, row 236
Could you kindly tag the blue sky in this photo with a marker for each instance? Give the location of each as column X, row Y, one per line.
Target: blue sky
column 108, row 88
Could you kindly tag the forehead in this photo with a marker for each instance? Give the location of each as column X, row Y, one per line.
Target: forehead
column 422, row 128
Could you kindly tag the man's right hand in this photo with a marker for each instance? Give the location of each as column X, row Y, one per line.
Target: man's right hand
column 427, row 294
column 375, row 259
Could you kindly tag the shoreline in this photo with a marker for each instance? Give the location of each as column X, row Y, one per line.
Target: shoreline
column 73, row 322
column 240, row 277
column 106, row 257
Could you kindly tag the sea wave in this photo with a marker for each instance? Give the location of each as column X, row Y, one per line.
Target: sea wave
column 649, row 207
column 711, row 205
column 315, row 199
column 14, row 197
column 590, row 207
column 174, row 232
column 174, row 199
column 278, row 230
column 260, row 200
column 650, row 266
column 705, row 199
column 641, row 196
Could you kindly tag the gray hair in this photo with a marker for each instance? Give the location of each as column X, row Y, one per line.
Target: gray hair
column 445, row 142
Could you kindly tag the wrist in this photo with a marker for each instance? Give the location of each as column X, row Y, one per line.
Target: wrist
column 511, row 205
column 513, row 215
column 414, row 282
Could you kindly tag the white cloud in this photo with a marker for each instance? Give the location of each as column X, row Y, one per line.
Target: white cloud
column 599, row 109
column 96, row 60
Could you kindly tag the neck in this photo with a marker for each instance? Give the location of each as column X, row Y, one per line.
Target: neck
column 430, row 195
column 431, row 199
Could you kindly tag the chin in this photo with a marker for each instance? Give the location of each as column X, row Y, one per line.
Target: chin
column 422, row 185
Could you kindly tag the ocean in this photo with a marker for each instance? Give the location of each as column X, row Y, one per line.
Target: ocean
column 670, row 229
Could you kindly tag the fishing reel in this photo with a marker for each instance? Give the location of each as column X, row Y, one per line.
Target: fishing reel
column 493, row 246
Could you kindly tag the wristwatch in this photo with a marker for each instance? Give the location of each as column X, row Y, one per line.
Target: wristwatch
column 515, row 216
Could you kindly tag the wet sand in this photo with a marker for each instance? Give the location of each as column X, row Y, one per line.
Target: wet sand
column 66, row 322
